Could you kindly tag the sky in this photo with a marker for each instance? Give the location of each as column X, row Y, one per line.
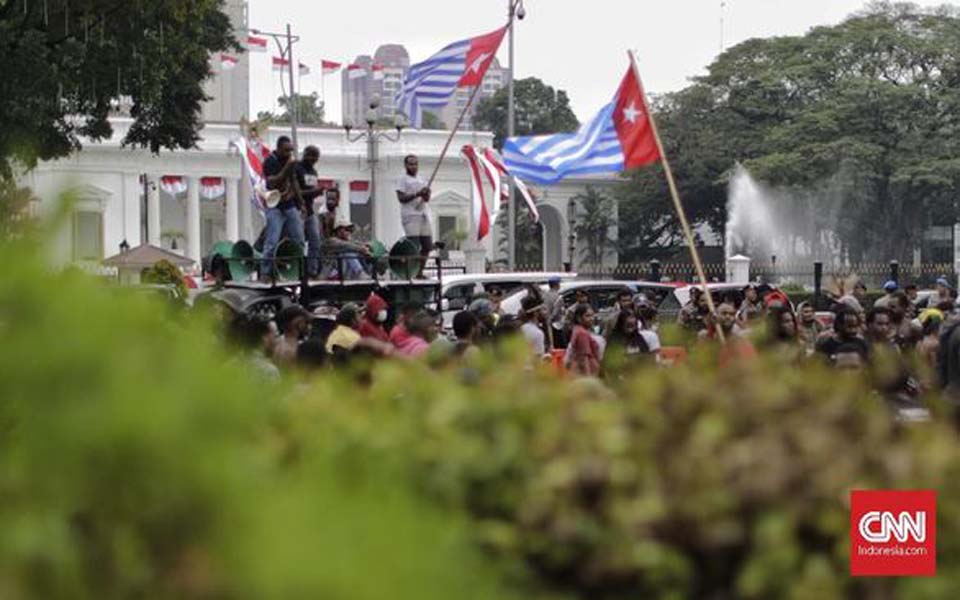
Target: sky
column 575, row 45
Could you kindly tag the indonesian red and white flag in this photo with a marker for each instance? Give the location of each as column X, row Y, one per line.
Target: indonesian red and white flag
column 173, row 184
column 304, row 69
column 377, row 72
column 280, row 64
column 329, row 67
column 481, row 216
column 256, row 44
column 227, row 62
column 356, row 71
column 359, row 192
column 212, row 188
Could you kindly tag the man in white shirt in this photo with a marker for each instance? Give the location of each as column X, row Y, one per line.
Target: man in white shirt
column 414, row 197
column 532, row 315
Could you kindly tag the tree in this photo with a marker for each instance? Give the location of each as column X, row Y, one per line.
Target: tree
column 596, row 219
column 15, row 202
column 310, row 110
column 66, row 64
column 538, row 109
column 432, row 121
column 857, row 123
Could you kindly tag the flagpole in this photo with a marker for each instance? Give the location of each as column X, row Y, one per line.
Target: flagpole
column 453, row 132
column 675, row 195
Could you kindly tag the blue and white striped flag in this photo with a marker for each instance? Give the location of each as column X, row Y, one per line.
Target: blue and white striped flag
column 430, row 84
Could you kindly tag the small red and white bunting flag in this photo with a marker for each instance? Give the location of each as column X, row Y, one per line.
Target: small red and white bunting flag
column 329, row 67
column 359, row 192
column 280, row 64
column 356, row 71
column 212, row 188
column 256, row 44
column 377, row 71
column 494, row 159
column 304, row 69
column 173, row 184
column 227, row 62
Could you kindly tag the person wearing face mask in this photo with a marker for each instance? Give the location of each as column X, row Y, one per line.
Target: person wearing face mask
column 373, row 324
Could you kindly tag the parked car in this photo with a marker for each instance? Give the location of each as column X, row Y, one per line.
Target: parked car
column 671, row 305
column 602, row 294
column 458, row 290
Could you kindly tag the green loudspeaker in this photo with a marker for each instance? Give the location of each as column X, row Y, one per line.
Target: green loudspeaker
column 289, row 260
column 216, row 263
column 404, row 259
column 242, row 261
column 379, row 257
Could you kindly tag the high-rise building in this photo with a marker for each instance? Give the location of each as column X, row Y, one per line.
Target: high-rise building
column 383, row 74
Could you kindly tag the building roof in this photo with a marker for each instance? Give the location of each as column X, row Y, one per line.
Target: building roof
column 392, row 55
column 146, row 255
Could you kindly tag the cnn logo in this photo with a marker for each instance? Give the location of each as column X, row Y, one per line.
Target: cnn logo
column 893, row 533
column 879, row 527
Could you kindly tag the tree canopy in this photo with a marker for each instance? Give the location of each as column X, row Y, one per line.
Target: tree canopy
column 860, row 120
column 538, row 109
column 310, row 110
column 66, row 65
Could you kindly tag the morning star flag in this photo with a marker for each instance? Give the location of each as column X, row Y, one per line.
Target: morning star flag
column 431, row 83
column 619, row 137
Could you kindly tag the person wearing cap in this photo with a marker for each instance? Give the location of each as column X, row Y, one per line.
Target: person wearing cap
column 349, row 254
column 344, row 337
column 944, row 290
column 533, row 313
column 484, row 310
column 890, row 287
column 294, row 325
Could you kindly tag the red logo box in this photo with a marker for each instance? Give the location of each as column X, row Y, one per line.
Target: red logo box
column 893, row 533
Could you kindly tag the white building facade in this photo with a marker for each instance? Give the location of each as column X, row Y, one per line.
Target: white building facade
column 117, row 195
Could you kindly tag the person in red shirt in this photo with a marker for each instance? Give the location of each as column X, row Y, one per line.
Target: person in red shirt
column 399, row 333
column 584, row 357
column 374, row 316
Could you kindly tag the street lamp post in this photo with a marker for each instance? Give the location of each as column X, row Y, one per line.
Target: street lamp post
column 286, row 52
column 515, row 10
column 373, row 135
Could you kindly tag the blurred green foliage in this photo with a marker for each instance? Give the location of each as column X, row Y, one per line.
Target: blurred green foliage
column 140, row 459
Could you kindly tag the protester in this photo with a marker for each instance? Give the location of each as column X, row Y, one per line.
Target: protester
column 375, row 314
column 487, row 318
column 809, row 328
column 310, row 190
column 311, row 355
column 350, row 257
column 727, row 318
column 890, row 288
column 693, row 315
column 495, row 295
column 752, row 306
column 860, row 293
column 879, row 332
column 414, row 197
column 580, row 297
column 532, row 317
column 583, row 355
column 465, row 327
column 624, row 303
column 736, row 346
column 417, row 343
column 783, row 327
column 905, row 332
column 628, row 346
column 399, row 333
column 931, row 321
column 294, row 325
column 279, row 169
column 845, row 335
column 255, row 336
column 345, row 336
column 551, row 299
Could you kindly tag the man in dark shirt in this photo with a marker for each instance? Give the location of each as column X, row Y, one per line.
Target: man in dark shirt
column 846, row 337
column 283, row 219
column 310, row 190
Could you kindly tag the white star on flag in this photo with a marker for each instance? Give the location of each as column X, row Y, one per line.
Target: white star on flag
column 479, row 62
column 631, row 113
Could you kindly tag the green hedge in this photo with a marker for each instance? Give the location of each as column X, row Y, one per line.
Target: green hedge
column 138, row 459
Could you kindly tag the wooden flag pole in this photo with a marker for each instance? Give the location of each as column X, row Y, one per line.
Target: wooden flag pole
column 677, row 205
column 453, row 132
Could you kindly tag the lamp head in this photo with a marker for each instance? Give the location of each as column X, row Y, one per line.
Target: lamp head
column 375, row 101
column 400, row 122
column 371, row 116
column 348, row 124
column 521, row 11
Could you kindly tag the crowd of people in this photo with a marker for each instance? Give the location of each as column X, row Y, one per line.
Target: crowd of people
column 916, row 339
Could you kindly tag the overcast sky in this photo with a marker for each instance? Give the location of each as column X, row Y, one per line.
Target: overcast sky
column 576, row 45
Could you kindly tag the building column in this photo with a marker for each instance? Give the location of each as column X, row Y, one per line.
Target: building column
column 232, row 208
column 344, row 209
column 153, row 210
column 193, row 219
